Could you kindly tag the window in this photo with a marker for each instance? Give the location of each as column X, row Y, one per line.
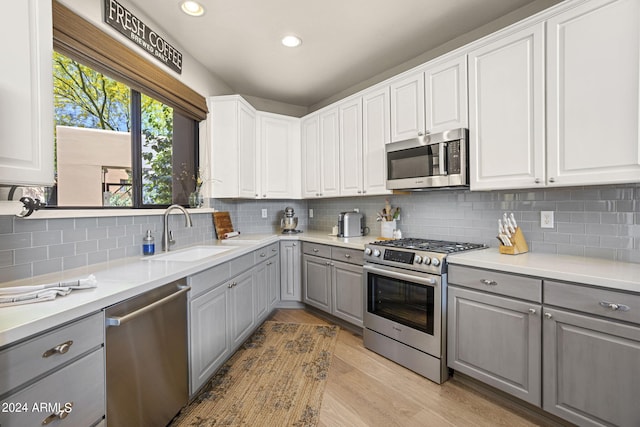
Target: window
column 115, row 146
column 126, row 130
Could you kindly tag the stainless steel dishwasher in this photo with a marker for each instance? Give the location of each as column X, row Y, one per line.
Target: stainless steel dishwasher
column 146, row 357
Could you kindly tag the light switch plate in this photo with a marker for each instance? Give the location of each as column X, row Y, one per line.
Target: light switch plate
column 310, row 213
column 264, row 213
column 546, row 219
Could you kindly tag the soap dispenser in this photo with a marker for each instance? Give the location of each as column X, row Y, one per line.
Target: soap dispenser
column 148, row 244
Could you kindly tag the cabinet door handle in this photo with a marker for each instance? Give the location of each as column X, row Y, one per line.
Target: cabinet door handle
column 59, row 349
column 274, row 250
column 552, row 179
column 537, row 181
column 262, row 255
column 548, row 315
column 532, row 311
column 614, row 307
column 488, row 282
column 269, row 263
column 60, row 415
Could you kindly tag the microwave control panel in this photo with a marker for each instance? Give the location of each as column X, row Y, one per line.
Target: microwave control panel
column 453, row 157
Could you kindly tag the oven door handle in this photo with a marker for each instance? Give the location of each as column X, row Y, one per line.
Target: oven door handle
column 401, row 276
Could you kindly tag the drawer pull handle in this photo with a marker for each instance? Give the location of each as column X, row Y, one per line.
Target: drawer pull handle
column 347, row 255
column 315, row 250
column 488, row 282
column 262, row 255
column 59, row 349
column 614, row 307
column 60, row 415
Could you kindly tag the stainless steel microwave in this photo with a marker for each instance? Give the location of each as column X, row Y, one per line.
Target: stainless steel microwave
column 430, row 161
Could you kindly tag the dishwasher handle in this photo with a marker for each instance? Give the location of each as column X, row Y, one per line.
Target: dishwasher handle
column 121, row 320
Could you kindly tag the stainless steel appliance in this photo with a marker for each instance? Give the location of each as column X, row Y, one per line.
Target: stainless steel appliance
column 146, row 357
column 289, row 222
column 350, row 224
column 406, row 297
column 429, row 161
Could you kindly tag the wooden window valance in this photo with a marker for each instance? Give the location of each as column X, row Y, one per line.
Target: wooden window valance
column 83, row 41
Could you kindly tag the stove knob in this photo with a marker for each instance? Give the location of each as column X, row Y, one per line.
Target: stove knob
column 417, row 259
column 435, row 262
column 426, row 260
column 367, row 251
column 376, row 252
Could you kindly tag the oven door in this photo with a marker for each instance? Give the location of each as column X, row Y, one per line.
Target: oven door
column 405, row 306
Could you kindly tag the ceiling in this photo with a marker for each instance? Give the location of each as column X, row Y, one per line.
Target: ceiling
column 345, row 42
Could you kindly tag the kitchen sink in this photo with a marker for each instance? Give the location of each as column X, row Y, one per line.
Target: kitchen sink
column 194, row 253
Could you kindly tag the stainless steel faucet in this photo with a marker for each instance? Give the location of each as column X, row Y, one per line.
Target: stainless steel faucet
column 167, row 236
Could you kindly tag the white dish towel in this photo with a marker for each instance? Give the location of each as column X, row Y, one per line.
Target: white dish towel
column 37, row 293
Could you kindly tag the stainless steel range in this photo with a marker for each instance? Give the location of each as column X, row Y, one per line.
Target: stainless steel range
column 406, row 293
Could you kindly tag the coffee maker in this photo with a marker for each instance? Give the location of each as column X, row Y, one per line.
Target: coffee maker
column 289, row 222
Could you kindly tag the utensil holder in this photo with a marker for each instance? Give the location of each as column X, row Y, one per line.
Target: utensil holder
column 386, row 228
column 519, row 243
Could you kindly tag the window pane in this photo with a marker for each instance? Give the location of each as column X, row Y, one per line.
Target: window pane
column 157, row 149
column 93, row 140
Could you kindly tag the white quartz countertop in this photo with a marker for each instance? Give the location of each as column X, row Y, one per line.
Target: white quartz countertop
column 127, row 278
column 591, row 271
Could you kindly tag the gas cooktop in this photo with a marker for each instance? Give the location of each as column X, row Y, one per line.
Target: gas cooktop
column 438, row 246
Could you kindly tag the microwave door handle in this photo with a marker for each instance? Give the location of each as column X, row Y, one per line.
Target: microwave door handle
column 442, row 156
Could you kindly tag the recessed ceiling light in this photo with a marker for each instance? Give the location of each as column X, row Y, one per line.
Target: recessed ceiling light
column 291, row 41
column 192, row 8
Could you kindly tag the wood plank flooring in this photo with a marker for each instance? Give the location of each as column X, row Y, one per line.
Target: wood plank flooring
column 365, row 389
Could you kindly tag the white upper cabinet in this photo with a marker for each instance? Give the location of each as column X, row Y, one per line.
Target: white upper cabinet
column 310, row 133
column 407, row 107
column 279, row 156
column 506, row 111
column 247, row 152
column 321, row 154
column 232, row 154
column 26, row 94
column 351, row 147
column 593, row 60
column 445, row 85
column 376, row 133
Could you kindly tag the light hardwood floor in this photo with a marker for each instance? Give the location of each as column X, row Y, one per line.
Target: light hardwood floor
column 365, row 389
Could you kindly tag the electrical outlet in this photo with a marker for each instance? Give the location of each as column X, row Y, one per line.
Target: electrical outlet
column 264, row 213
column 546, row 219
column 310, row 213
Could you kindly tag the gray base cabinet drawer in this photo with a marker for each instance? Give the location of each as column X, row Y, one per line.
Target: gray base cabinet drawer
column 316, row 249
column 23, row 362
column 602, row 302
column 207, row 279
column 591, row 369
column 264, row 253
column 80, row 384
column 240, row 264
column 512, row 285
column 352, row 256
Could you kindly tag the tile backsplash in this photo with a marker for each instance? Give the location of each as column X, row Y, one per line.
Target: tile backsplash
column 600, row 222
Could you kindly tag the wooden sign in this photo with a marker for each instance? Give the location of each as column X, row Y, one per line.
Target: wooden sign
column 126, row 23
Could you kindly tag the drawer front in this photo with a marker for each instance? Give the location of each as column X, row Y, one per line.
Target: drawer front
column 208, row 279
column 241, row 264
column 316, row 249
column 352, row 256
column 80, row 383
column 601, row 302
column 264, row 253
column 526, row 288
column 24, row 362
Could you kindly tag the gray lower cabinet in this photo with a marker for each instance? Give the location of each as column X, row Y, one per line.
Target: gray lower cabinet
column 332, row 281
column 591, row 359
column 56, row 377
column 227, row 303
column 496, row 340
column 209, row 323
column 290, row 289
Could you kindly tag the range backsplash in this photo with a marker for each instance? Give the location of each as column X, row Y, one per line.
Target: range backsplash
column 600, row 222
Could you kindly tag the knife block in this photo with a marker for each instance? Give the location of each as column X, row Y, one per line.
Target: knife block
column 519, row 243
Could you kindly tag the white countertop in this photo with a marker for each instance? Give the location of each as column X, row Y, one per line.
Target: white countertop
column 591, row 271
column 127, row 278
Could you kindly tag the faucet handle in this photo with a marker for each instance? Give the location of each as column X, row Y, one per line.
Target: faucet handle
column 171, row 241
